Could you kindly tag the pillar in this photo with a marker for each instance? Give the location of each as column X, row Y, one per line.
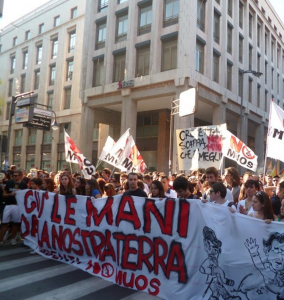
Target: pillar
column 87, row 128
column 129, row 116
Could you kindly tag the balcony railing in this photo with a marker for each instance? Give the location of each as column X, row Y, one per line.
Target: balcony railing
column 121, row 37
column 200, row 24
column 103, row 6
column 144, row 29
column 100, row 45
column 170, row 20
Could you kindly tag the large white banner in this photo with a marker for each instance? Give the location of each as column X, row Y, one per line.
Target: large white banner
column 200, row 147
column 275, row 133
column 235, row 149
column 173, row 248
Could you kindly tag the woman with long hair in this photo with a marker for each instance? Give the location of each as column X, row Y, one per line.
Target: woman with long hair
column 80, row 186
column 232, row 178
column 35, row 183
column 66, row 185
column 109, row 190
column 48, row 185
column 93, row 189
column 157, row 190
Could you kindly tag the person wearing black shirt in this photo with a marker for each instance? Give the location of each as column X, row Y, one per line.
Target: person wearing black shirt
column 134, row 190
column 183, row 188
column 11, row 211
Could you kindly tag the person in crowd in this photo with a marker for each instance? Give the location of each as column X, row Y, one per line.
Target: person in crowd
column 106, row 174
column 232, row 179
column 172, row 179
column 93, row 189
column 148, row 180
column 218, row 193
column 48, row 185
column 11, row 212
column 157, row 190
column 76, row 175
column 272, row 190
column 35, row 183
column 116, row 181
column 262, row 207
column 183, row 188
column 167, row 190
column 277, row 198
column 52, row 175
column 280, row 217
column 101, row 183
column 247, row 175
column 245, row 205
column 66, row 185
column 268, row 181
column 212, row 177
column 109, row 190
column 80, row 186
column 134, row 190
column 123, row 177
column 145, row 187
column 124, row 187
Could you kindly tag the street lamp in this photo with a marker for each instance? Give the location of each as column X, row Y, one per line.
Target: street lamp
column 255, row 73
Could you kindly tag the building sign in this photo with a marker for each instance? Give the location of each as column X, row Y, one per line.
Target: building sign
column 41, row 119
column 25, row 101
column 23, row 114
column 125, row 84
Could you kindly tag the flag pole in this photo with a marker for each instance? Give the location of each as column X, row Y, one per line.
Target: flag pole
column 265, row 159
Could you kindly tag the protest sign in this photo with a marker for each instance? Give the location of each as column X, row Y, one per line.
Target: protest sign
column 173, row 248
column 200, row 147
column 235, row 149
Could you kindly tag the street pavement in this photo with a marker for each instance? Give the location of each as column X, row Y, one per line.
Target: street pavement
column 33, row 277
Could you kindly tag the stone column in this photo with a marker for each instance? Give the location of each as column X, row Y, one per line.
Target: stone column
column 219, row 114
column 259, row 146
column 129, row 116
column 163, row 142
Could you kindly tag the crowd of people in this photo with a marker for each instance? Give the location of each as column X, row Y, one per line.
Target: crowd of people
column 253, row 195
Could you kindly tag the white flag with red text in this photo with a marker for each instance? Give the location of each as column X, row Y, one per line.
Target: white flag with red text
column 74, row 155
column 109, row 144
column 275, row 133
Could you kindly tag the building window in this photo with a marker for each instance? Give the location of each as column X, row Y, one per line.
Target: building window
column 169, row 54
column 0, row 48
column 10, row 87
column 18, row 137
column 62, row 127
column 101, row 35
column 50, row 99
column 74, row 13
column 265, row 72
column 32, row 136
column 54, row 48
column 143, row 61
column 216, row 32
column 229, row 76
column 27, row 35
column 272, row 51
column 272, row 78
column 240, row 91
column 67, row 98
column 278, row 57
column 250, row 90
column 72, row 40
column 266, row 43
column 266, row 100
column 70, row 64
column 250, row 25
column 25, row 60
column 38, row 54
column 23, row 83
column 241, row 49
column 103, row 5
column 121, row 1
column 171, row 12
column 258, row 62
column 119, row 67
column 201, row 14
column 250, row 58
column 229, row 39
column 37, row 77
column 13, row 64
column 46, row 139
column 52, row 74
column 98, row 73
column 258, row 35
column 258, row 95
column 241, row 14
column 215, row 67
column 145, row 19
column 56, row 21
column 147, row 125
column 122, row 27
column 15, row 41
column 199, row 57
column 278, row 77
column 230, row 8
column 8, row 111
column 40, row 28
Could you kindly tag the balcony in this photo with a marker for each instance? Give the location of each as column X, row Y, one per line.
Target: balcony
column 144, row 29
column 170, row 21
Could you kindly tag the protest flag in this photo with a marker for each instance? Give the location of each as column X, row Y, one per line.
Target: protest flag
column 274, row 171
column 74, row 155
column 109, row 144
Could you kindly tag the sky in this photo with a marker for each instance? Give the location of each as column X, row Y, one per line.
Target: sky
column 14, row 9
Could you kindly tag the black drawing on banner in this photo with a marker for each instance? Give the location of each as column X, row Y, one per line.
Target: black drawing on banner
column 216, row 277
column 268, row 280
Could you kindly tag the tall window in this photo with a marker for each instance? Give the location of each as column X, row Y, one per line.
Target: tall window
column 18, row 137
column 72, row 40
column 229, row 76
column 98, row 73
column 147, row 125
column 23, row 83
column 143, row 61
column 74, row 13
column 215, row 74
column 216, row 33
column 229, row 39
column 67, row 100
column 239, row 81
column 46, row 139
column 250, row 90
column 40, row 28
column 230, row 8
column 13, row 64
column 171, row 12
column 37, row 77
column 122, row 27
column 278, row 57
column 25, row 60
column 52, row 74
column 10, row 87
column 258, row 35
column 15, row 41
column 119, row 67
column 38, row 54
column 241, row 49
column 199, row 57
column 241, row 14
column 266, row 72
column 258, row 62
column 56, row 21
column 54, row 47
column 145, row 19
column 27, row 35
column 250, row 24
column 169, row 54
column 8, row 111
column 62, row 127
column 258, row 95
column 272, row 50
column 272, row 78
column 103, row 5
column 70, row 64
column 250, row 58
column 101, row 35
column 50, row 99
column 266, row 43
column 201, row 14
column 32, row 136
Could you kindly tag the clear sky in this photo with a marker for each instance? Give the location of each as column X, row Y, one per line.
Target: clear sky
column 14, row 9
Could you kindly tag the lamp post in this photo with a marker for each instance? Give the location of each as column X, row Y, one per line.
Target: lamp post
column 255, row 73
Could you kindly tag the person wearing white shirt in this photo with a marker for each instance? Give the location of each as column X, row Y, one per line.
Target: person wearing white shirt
column 168, row 191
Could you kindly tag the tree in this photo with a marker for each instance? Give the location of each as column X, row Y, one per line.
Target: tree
column 2, row 101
